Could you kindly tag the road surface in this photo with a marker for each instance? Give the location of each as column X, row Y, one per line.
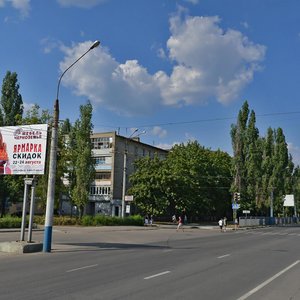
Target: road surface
column 156, row 263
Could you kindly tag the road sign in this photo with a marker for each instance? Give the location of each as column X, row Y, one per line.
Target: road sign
column 128, row 198
column 246, row 211
column 289, row 200
column 235, row 206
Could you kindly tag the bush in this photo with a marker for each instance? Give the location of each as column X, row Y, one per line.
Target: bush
column 88, row 221
column 10, row 222
column 99, row 220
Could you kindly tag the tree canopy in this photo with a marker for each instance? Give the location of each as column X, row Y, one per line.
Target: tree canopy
column 192, row 179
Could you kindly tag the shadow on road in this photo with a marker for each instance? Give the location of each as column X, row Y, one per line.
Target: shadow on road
column 77, row 247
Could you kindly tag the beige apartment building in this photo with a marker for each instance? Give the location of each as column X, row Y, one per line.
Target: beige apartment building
column 113, row 154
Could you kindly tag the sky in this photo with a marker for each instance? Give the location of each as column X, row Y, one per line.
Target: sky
column 169, row 71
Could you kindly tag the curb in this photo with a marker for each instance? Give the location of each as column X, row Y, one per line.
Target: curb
column 21, row 247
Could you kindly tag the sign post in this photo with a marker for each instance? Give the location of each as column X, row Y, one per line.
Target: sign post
column 246, row 212
column 235, row 207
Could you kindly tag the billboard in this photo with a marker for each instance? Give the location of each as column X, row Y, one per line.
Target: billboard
column 23, row 149
column 289, row 200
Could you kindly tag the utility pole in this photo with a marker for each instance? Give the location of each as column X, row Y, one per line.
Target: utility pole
column 271, row 202
column 124, row 180
column 125, row 168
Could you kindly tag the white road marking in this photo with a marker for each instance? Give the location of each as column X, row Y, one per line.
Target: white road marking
column 156, row 275
column 222, row 256
column 268, row 281
column 82, row 268
column 168, row 250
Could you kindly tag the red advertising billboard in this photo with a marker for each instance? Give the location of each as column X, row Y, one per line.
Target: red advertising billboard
column 23, row 149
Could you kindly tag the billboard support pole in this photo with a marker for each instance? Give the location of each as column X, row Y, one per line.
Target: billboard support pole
column 27, row 182
column 31, row 215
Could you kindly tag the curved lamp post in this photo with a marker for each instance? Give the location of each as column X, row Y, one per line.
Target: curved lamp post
column 52, row 161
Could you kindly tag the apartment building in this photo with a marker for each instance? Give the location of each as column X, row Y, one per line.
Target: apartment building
column 109, row 152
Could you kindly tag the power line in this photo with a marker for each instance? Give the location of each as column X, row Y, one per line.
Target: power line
column 199, row 121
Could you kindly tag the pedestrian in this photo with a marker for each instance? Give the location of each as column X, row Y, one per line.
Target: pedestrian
column 185, row 219
column 179, row 224
column 146, row 220
column 224, row 224
column 174, row 219
column 221, row 224
column 151, row 220
column 236, row 223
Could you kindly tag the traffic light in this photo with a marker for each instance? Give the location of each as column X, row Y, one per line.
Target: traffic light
column 236, row 197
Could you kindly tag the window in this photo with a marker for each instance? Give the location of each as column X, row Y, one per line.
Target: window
column 104, row 176
column 99, row 190
column 101, row 142
column 99, row 160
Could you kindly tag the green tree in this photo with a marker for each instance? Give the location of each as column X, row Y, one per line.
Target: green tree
column 280, row 168
column 253, row 167
column 35, row 115
column 83, row 166
column 262, row 166
column 268, row 184
column 192, row 180
column 11, row 110
column 296, row 187
column 239, row 145
column 148, row 187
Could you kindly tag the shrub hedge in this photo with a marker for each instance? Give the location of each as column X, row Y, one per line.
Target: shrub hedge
column 100, row 220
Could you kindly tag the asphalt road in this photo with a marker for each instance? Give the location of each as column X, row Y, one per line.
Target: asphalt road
column 147, row 263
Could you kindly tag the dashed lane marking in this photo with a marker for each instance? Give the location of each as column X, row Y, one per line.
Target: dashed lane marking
column 158, row 274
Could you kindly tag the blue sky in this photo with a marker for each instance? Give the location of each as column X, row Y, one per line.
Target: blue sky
column 180, row 70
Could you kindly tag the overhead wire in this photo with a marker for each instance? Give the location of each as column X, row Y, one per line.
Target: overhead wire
column 198, row 121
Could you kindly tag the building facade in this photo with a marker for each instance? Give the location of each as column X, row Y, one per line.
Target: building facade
column 113, row 154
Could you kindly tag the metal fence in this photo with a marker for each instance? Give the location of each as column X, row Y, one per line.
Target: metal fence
column 264, row 221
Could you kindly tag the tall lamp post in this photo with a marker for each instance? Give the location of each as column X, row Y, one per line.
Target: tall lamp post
column 53, row 160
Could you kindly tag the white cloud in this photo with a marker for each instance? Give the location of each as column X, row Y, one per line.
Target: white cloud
column 49, row 44
column 193, row 1
column 245, row 24
column 188, row 138
column 80, row 3
column 166, row 146
column 158, row 131
column 124, row 88
column 209, row 64
column 21, row 5
column 27, row 107
column 161, row 53
column 219, row 63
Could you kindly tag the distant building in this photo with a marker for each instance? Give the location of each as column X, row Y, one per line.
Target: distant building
column 109, row 151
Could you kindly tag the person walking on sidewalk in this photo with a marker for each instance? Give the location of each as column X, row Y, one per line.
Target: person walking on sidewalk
column 224, row 224
column 180, row 224
column 221, row 225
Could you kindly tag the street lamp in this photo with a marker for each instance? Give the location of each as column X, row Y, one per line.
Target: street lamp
column 53, row 160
